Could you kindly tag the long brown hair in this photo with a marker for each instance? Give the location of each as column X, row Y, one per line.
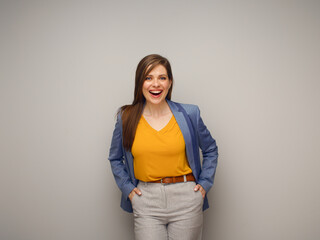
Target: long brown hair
column 131, row 114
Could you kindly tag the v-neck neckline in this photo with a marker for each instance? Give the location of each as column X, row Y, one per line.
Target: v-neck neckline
column 167, row 126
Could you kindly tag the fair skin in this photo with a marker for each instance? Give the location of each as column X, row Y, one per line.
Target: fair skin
column 157, row 111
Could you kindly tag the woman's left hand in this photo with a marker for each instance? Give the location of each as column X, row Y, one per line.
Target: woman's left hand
column 199, row 187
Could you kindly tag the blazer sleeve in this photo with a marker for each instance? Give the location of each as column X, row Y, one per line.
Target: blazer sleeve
column 116, row 158
column 209, row 150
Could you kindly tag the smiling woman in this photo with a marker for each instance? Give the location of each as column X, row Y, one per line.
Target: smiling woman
column 155, row 158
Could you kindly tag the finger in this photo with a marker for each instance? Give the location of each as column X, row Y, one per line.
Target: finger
column 131, row 195
column 203, row 192
column 137, row 191
column 196, row 188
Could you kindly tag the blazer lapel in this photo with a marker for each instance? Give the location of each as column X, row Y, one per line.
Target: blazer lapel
column 183, row 125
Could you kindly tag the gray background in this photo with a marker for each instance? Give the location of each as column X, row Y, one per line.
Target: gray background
column 251, row 66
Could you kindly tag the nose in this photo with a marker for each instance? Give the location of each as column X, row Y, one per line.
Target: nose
column 155, row 82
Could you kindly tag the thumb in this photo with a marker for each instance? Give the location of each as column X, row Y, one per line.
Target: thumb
column 196, row 188
column 137, row 191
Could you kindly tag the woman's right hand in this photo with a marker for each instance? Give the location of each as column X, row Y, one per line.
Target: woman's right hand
column 133, row 192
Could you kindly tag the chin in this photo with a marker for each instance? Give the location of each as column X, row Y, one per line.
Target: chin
column 156, row 101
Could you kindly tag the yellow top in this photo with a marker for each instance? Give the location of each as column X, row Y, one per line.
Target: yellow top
column 159, row 154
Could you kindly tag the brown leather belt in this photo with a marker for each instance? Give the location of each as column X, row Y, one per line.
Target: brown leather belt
column 184, row 178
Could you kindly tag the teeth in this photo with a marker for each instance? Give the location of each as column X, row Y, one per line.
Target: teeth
column 155, row 92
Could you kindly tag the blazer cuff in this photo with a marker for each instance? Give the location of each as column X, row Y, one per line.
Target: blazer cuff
column 205, row 184
column 127, row 189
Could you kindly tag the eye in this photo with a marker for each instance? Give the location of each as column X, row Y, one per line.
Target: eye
column 148, row 78
column 163, row 78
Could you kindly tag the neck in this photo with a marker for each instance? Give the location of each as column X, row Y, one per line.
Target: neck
column 156, row 110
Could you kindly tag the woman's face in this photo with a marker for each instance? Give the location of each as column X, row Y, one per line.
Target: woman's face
column 156, row 85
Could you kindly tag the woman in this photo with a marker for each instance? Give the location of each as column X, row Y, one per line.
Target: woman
column 155, row 158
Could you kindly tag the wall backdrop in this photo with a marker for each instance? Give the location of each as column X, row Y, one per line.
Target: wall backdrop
column 253, row 68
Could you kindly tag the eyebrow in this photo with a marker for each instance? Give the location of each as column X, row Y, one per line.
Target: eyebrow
column 159, row 75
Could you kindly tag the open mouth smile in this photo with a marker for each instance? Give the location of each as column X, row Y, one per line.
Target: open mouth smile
column 155, row 93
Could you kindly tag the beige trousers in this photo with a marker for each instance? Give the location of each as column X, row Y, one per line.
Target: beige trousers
column 167, row 211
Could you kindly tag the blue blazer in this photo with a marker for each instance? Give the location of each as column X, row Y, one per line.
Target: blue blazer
column 196, row 135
